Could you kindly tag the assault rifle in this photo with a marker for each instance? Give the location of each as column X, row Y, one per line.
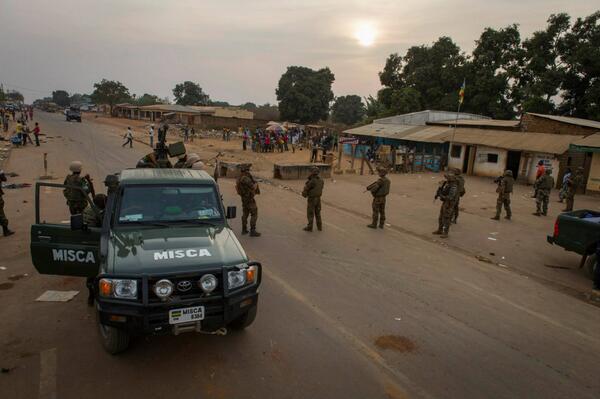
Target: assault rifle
column 440, row 190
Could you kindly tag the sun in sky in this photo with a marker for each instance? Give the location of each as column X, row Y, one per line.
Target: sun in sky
column 365, row 33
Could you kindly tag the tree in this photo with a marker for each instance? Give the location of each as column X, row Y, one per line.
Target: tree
column 148, row 99
column 219, row 103
column 61, row 98
column 190, row 93
column 304, row 94
column 580, row 53
column 13, row 95
column 374, row 107
column 348, row 109
column 248, row 106
column 110, row 92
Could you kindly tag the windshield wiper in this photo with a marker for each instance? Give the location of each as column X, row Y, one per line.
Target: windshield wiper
column 154, row 224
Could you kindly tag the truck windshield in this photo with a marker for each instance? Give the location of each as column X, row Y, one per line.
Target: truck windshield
column 150, row 204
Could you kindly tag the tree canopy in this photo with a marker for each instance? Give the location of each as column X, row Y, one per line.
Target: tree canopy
column 110, row 92
column 61, row 97
column 304, row 94
column 190, row 93
column 348, row 110
column 556, row 70
column 148, row 99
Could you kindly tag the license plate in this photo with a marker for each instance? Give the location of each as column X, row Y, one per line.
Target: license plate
column 186, row 315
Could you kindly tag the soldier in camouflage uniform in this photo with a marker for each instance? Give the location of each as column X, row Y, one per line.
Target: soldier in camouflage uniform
column 247, row 188
column 76, row 199
column 380, row 189
column 90, row 217
column 543, row 187
column 313, row 189
column 460, row 181
column 504, row 190
column 3, row 220
column 448, row 194
column 573, row 183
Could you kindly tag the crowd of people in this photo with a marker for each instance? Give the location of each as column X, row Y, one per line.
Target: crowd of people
column 21, row 117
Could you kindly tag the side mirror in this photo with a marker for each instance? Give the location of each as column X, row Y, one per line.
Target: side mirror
column 231, row 212
column 77, row 222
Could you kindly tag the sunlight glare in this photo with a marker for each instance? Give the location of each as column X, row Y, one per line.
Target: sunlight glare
column 365, row 33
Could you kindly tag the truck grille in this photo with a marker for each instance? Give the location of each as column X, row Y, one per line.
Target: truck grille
column 186, row 287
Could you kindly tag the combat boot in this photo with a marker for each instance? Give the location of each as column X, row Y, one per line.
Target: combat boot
column 254, row 233
column 497, row 217
column 381, row 225
column 6, row 232
column 320, row 228
column 307, row 228
column 438, row 231
column 507, row 217
column 372, row 226
column 537, row 214
column 444, row 233
column 244, row 230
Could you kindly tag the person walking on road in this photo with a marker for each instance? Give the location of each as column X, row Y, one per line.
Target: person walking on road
column 448, row 193
column 3, row 220
column 504, row 190
column 313, row 189
column 563, row 188
column 36, row 134
column 76, row 199
column 460, row 181
column 573, row 183
column 543, row 187
column 380, row 189
column 128, row 138
column 151, row 136
column 247, row 189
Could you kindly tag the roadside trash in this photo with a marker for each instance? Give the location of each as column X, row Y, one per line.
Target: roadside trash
column 483, row 259
column 388, row 225
column 397, row 318
column 16, row 277
column 501, row 265
column 492, row 239
column 493, row 233
column 492, row 253
column 16, row 185
column 57, row 296
column 2, row 267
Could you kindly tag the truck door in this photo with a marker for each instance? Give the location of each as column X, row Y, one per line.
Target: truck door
column 57, row 248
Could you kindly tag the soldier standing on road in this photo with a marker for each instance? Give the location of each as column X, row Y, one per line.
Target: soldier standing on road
column 76, row 199
column 380, row 189
column 543, row 187
column 460, row 181
column 504, row 190
column 313, row 189
column 448, row 193
column 573, row 183
column 3, row 220
column 247, row 188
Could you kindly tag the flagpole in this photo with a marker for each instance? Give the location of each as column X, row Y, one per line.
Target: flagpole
column 460, row 101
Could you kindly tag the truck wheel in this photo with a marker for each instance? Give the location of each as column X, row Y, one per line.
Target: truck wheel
column 244, row 320
column 113, row 340
column 590, row 265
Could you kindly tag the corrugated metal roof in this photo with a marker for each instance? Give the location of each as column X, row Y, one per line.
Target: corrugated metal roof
column 589, row 143
column 181, row 109
column 420, row 118
column 428, row 134
column 516, row 141
column 478, row 122
column 569, row 120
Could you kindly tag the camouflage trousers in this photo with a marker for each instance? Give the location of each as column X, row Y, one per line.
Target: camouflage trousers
column 313, row 211
column 541, row 201
column 446, row 214
column 456, row 210
column 378, row 210
column 570, row 197
column 76, row 207
column 3, row 219
column 249, row 208
column 503, row 200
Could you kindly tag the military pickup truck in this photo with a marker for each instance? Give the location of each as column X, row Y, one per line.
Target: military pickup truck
column 579, row 232
column 164, row 261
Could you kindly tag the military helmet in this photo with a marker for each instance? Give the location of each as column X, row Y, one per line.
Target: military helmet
column 508, row 172
column 245, row 167
column 456, row 171
column 382, row 171
column 315, row 170
column 75, row 166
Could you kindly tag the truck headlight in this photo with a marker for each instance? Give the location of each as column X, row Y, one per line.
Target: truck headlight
column 239, row 278
column 208, row 283
column 118, row 288
column 163, row 288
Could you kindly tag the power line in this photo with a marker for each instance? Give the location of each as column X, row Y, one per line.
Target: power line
column 24, row 88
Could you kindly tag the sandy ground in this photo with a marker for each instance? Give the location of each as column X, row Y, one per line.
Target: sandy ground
column 345, row 313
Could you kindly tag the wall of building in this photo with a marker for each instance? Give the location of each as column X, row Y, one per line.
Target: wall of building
column 215, row 122
column 230, row 112
column 593, row 182
column 529, row 161
column 482, row 165
column 456, row 162
column 535, row 124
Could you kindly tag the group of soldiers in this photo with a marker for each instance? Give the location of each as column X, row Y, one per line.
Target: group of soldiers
column 247, row 188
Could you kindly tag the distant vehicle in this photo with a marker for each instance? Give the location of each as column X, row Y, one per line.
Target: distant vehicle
column 579, row 232
column 73, row 113
column 165, row 260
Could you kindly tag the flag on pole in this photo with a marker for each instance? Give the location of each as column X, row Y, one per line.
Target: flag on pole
column 461, row 93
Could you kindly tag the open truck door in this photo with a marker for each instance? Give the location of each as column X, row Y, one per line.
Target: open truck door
column 67, row 247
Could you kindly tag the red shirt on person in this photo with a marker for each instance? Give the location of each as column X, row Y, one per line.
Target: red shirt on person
column 540, row 171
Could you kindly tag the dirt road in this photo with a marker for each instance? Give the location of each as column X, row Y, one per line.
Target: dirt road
column 348, row 312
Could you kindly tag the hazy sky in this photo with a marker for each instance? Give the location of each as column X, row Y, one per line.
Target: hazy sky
column 235, row 49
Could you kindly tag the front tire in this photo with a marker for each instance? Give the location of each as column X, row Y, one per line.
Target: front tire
column 244, row 320
column 113, row 339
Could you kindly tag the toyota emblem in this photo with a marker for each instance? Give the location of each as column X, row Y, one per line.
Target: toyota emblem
column 184, row 285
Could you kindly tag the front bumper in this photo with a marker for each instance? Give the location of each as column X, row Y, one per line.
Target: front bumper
column 147, row 317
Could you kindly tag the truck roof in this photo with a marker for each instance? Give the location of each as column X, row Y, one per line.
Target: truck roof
column 165, row 176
